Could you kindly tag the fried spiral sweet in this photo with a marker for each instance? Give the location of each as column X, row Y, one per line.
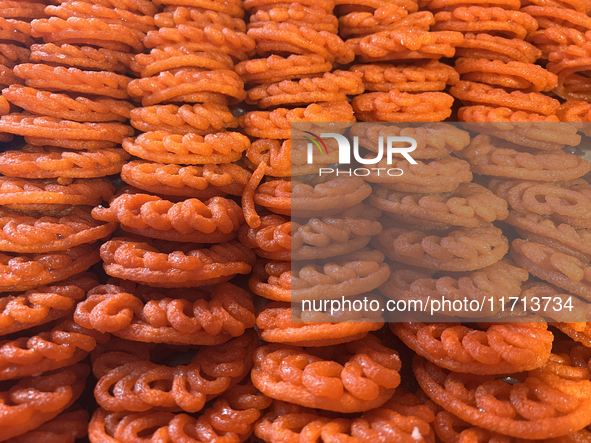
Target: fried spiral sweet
column 212, row 221
column 209, row 316
column 179, row 56
column 232, row 417
column 383, row 19
column 550, row 402
column 461, row 250
column 207, row 181
column 275, row 68
column 366, row 379
column 492, row 47
column 181, row 268
column 43, row 304
column 64, row 345
column 140, row 386
column 20, row 272
column 313, row 16
column 35, row 400
column 65, row 428
column 493, row 349
column 284, row 323
column 350, row 274
column 469, row 205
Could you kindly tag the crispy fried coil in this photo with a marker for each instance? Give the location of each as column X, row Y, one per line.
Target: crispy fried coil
column 407, row 43
column 428, row 176
column 280, row 322
column 50, row 127
column 64, row 345
column 254, row 5
column 567, row 202
column 554, row 266
column 271, row 239
column 12, row 55
column 89, row 31
column 297, row 14
column 232, row 7
column 140, row 386
column 65, row 428
column 417, row 77
column 285, row 37
column 396, row 106
column 200, row 119
column 204, row 182
column 447, row 5
column 489, row 349
column 352, row 377
column 275, row 68
column 172, row 58
column 491, row 20
column 491, row 47
column 22, row 10
column 489, row 157
column 17, row 193
column 181, row 268
column 35, row 400
column 555, row 39
column 434, row 140
column 63, row 106
column 577, row 113
column 579, row 332
column 570, row 64
column 82, row 57
column 15, row 31
column 383, row 19
column 43, row 304
column 547, row 402
column 231, row 418
column 138, row 6
column 199, row 18
column 331, row 87
column 548, row 17
column 212, row 221
column 74, row 80
column 350, row 274
column 113, row 16
column 237, row 45
column 188, row 86
column 35, row 162
column 209, row 316
column 512, row 75
column 458, row 249
column 331, row 197
column 276, row 124
column 165, row 147
column 469, row 205
column 8, row 78
column 471, row 93
column 500, row 278
column 402, row 418
column 24, row 233
column 20, row 272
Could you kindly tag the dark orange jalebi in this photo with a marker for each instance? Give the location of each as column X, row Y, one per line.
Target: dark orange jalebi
column 212, row 371
column 207, row 181
column 20, row 194
column 65, row 428
column 469, row 205
column 490, row 47
column 547, row 402
column 458, row 249
column 385, row 18
column 231, row 418
column 296, row 14
column 351, row 274
column 43, row 304
column 184, row 266
column 22, row 10
column 549, row 17
column 208, row 316
column 191, row 148
column 180, row 56
column 365, row 378
column 15, row 31
column 37, row 162
column 233, row 7
column 396, row 106
column 35, row 400
column 284, row 323
column 212, row 221
column 199, row 18
column 402, row 418
column 275, row 68
column 20, row 272
column 490, row 349
column 271, row 239
column 64, row 345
